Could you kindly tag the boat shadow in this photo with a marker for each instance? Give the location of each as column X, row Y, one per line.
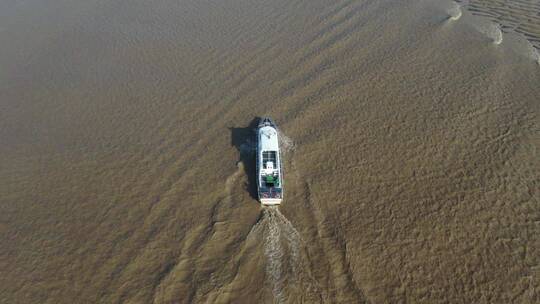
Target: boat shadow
column 245, row 141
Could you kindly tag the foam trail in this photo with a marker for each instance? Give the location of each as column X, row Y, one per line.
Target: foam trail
column 291, row 235
column 268, row 228
column 274, row 254
column 535, row 53
column 280, row 241
column 455, row 12
column 495, row 33
column 492, row 31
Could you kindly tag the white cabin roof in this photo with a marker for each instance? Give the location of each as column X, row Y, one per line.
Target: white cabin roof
column 268, row 139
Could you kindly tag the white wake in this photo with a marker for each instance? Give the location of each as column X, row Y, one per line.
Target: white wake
column 534, row 53
column 281, row 245
column 455, row 12
column 494, row 32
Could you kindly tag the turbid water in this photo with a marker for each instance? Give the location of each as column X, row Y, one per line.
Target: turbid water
column 411, row 167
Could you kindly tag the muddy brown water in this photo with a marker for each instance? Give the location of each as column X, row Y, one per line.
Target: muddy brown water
column 410, row 138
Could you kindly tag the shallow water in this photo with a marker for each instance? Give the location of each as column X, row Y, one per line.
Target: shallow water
column 126, row 167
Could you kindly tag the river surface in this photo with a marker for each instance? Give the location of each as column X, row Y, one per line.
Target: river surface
column 410, row 135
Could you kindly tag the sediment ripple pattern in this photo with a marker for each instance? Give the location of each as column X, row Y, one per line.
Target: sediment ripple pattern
column 522, row 16
column 127, row 172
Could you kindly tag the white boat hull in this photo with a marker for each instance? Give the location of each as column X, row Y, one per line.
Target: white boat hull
column 269, row 165
column 271, row 201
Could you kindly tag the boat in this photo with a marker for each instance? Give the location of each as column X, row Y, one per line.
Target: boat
column 269, row 167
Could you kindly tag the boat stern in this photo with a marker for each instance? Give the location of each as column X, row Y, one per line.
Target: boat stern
column 270, row 201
